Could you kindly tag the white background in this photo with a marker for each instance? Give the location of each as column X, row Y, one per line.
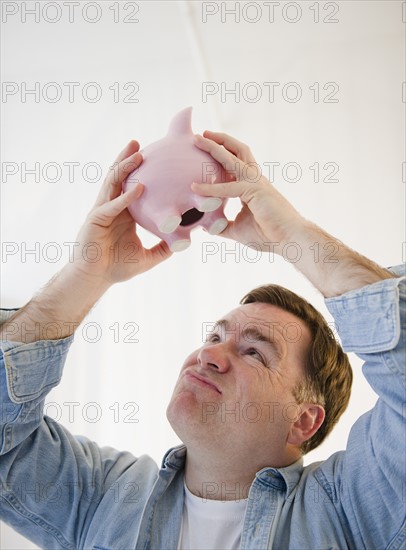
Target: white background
column 166, row 53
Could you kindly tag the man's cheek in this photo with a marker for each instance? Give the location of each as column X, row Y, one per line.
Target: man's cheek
column 190, row 360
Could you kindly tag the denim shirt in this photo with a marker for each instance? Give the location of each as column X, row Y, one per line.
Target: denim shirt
column 62, row 491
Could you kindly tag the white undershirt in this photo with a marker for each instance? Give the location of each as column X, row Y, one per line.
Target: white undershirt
column 211, row 524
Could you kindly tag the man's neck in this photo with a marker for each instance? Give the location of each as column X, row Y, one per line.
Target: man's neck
column 215, row 476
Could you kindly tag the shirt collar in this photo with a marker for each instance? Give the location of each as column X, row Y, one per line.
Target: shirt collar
column 285, row 478
column 175, row 458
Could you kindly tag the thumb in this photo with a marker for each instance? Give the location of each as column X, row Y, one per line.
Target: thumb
column 228, row 232
column 159, row 253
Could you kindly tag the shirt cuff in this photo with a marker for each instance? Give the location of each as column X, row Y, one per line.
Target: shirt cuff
column 32, row 369
column 4, row 315
column 368, row 319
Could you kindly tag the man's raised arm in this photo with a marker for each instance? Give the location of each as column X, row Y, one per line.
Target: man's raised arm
column 108, row 251
column 270, row 222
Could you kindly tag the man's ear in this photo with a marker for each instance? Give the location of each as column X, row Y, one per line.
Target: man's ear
column 306, row 424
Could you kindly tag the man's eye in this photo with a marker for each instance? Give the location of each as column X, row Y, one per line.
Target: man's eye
column 213, row 338
column 255, row 353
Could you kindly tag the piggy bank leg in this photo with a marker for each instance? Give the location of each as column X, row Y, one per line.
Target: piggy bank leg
column 176, row 242
column 206, row 204
column 215, row 222
column 170, row 220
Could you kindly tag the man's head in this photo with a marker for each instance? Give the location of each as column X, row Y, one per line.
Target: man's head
column 260, row 383
column 328, row 375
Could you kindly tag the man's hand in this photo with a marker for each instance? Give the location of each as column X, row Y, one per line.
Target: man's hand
column 110, row 251
column 266, row 216
column 110, row 248
column 268, row 221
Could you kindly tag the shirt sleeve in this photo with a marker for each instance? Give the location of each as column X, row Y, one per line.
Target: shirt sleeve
column 370, row 476
column 371, row 323
column 44, row 469
column 27, row 374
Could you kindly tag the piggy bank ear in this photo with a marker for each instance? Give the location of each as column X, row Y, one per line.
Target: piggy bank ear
column 181, row 124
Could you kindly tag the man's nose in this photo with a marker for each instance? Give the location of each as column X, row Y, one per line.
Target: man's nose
column 215, row 356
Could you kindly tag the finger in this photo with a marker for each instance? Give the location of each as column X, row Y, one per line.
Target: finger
column 105, row 193
column 223, row 190
column 106, row 213
column 228, row 160
column 132, row 147
column 238, row 148
column 117, row 173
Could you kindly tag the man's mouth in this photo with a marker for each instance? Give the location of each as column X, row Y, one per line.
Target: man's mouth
column 202, row 380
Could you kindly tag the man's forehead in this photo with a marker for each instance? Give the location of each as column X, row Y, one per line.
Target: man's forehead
column 259, row 313
column 269, row 321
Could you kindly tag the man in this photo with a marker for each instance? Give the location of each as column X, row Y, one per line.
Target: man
column 105, row 499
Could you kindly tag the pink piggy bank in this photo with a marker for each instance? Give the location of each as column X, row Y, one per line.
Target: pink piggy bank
column 168, row 207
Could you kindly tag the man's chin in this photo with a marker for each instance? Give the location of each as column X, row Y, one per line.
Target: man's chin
column 184, row 414
column 178, row 410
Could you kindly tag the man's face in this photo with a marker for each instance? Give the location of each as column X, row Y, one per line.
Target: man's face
column 235, row 391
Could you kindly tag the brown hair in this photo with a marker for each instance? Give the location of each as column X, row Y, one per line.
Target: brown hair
column 328, row 373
